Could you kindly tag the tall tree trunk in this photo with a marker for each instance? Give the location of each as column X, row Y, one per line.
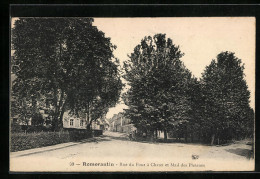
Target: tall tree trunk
column 88, row 122
column 152, row 134
column 212, row 139
column 165, row 135
column 61, row 114
column 55, row 120
column 88, row 127
column 217, row 136
column 186, row 135
column 200, row 134
column 88, row 117
column 61, row 100
column 34, row 104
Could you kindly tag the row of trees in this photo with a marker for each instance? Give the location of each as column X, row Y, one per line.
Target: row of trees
column 67, row 62
column 165, row 96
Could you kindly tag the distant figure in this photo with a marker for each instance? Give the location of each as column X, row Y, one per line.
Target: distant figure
column 144, row 135
column 130, row 136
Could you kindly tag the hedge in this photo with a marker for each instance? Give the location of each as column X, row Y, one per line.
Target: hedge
column 15, row 128
column 23, row 141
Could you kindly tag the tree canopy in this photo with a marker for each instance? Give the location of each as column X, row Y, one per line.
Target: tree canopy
column 226, row 96
column 164, row 95
column 159, row 82
column 68, row 59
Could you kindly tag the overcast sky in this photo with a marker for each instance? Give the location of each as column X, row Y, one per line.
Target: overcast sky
column 201, row 39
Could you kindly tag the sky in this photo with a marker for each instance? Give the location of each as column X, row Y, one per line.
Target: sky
column 201, row 39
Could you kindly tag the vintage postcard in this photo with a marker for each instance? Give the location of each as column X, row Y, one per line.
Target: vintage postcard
column 132, row 94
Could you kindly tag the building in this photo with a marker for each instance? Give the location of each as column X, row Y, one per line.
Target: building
column 106, row 125
column 119, row 123
column 100, row 124
column 71, row 121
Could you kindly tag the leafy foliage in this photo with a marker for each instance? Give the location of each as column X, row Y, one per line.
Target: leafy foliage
column 159, row 82
column 68, row 60
column 226, row 93
column 165, row 96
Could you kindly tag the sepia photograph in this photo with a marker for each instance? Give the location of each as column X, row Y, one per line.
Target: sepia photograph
column 162, row 94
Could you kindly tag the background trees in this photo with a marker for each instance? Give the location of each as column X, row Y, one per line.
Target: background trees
column 67, row 59
column 226, row 98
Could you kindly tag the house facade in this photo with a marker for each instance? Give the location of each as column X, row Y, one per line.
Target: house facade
column 119, row 123
column 71, row 121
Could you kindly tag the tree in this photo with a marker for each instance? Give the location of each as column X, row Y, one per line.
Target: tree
column 194, row 127
column 96, row 84
column 22, row 110
column 226, row 98
column 158, row 98
column 65, row 58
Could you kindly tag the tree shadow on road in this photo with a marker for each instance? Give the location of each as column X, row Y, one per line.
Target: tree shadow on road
column 242, row 152
column 126, row 138
column 94, row 139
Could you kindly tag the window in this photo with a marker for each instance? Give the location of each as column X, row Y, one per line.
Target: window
column 81, row 122
column 71, row 122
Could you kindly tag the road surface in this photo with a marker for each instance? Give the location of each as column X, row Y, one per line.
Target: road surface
column 115, row 152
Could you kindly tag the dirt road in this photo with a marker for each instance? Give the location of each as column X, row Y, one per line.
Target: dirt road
column 115, row 152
